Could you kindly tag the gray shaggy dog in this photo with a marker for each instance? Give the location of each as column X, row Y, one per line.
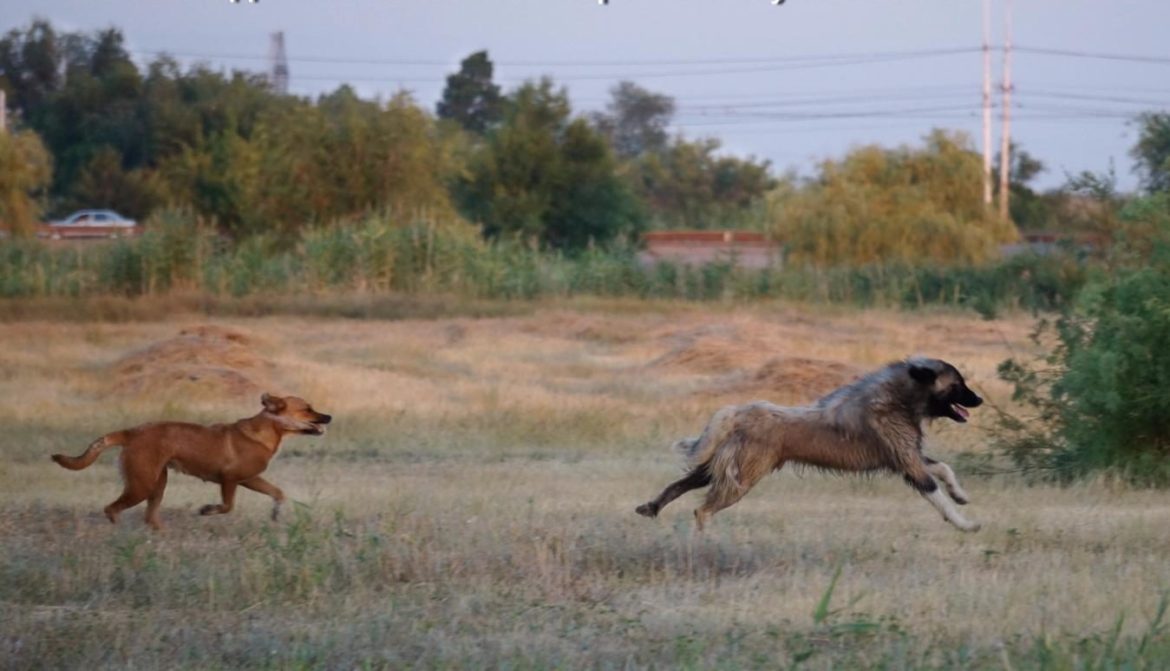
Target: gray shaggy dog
column 873, row 424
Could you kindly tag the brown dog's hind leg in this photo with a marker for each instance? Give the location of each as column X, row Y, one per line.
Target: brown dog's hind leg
column 228, row 492
column 259, row 484
column 698, row 477
column 139, row 477
column 131, row 496
column 153, row 501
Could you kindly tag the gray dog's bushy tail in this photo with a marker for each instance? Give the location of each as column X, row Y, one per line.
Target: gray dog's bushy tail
column 688, row 449
column 91, row 453
column 698, row 450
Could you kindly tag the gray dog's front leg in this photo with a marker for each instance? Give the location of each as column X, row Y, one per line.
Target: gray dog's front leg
column 949, row 512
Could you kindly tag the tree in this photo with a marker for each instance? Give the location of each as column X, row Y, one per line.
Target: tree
column 879, row 205
column 81, row 94
column 25, row 170
column 103, row 183
column 1091, row 202
column 684, row 183
column 470, row 98
column 590, row 203
column 30, row 63
column 636, row 120
column 688, row 185
column 1152, row 151
column 347, row 156
column 1029, row 210
column 545, row 176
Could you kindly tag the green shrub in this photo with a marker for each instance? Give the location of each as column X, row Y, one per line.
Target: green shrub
column 1101, row 396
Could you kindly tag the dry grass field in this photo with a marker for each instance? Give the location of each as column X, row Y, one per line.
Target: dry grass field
column 472, row 504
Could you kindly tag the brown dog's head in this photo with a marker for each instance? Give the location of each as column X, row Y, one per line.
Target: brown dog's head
column 949, row 395
column 294, row 414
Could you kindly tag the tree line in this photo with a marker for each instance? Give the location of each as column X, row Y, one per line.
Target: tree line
column 92, row 128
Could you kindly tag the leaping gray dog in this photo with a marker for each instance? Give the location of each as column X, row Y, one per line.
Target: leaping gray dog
column 873, row 424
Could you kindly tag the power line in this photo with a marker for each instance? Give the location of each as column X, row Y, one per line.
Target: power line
column 905, row 112
column 905, row 93
column 1072, row 53
column 762, row 128
column 843, row 99
column 628, row 75
column 1045, row 93
column 755, row 60
column 745, row 60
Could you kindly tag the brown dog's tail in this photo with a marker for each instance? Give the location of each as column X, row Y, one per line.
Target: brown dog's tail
column 92, row 452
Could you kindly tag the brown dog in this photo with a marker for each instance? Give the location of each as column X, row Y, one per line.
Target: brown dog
column 230, row 454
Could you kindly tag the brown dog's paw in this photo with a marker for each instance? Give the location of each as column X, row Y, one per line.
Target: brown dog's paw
column 209, row 509
column 647, row 510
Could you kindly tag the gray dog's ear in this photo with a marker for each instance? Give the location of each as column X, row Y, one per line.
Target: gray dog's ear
column 923, row 374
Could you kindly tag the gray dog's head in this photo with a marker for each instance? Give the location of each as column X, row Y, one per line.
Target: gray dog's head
column 947, row 392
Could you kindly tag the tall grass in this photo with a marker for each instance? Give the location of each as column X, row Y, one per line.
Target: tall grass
column 472, row 507
column 379, row 254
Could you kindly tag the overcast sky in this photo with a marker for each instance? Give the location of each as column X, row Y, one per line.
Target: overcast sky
column 793, row 83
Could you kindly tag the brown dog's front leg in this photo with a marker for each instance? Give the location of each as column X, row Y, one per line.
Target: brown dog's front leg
column 259, row 484
column 228, row 491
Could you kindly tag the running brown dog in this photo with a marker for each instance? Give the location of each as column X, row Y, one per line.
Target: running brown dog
column 230, row 454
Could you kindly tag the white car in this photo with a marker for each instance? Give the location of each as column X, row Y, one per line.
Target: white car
column 91, row 224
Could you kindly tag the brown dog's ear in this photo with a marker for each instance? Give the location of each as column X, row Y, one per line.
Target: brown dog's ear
column 272, row 403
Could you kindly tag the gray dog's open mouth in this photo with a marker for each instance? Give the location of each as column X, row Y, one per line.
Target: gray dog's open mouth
column 961, row 413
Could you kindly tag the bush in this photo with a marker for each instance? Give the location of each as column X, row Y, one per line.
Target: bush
column 905, row 205
column 1101, row 397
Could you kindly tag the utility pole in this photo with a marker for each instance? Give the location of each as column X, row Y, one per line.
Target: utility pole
column 987, row 103
column 278, row 63
column 1005, row 145
column 3, row 113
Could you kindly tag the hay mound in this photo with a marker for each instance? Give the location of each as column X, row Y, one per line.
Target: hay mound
column 711, row 350
column 802, row 378
column 208, row 359
column 573, row 326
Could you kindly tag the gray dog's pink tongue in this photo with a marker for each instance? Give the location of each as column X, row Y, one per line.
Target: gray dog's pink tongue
column 961, row 410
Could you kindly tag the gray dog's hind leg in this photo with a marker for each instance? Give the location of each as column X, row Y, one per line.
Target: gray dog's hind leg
column 698, row 477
